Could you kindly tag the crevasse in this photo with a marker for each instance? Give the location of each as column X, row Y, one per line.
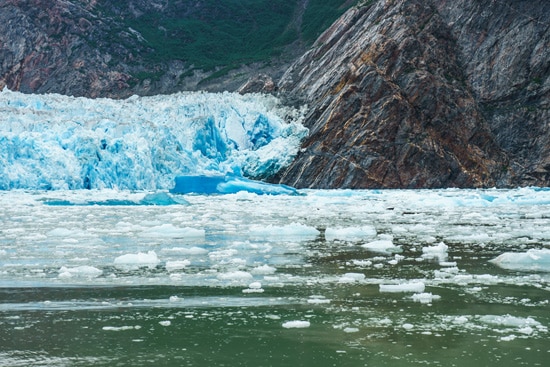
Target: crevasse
column 51, row 142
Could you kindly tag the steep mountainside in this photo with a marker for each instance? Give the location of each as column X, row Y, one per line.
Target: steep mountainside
column 411, row 93
column 104, row 48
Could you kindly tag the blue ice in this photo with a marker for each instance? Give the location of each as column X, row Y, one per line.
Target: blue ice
column 53, row 142
column 228, row 184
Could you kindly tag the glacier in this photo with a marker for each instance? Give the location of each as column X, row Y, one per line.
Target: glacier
column 55, row 142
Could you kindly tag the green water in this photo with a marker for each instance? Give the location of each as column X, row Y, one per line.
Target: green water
column 234, row 296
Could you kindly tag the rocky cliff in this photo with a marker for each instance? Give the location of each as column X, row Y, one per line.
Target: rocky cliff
column 410, row 93
column 401, row 93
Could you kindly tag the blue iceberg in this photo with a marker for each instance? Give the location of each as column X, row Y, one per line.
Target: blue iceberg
column 228, row 184
column 531, row 260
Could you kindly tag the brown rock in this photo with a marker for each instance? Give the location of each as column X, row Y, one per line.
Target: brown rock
column 389, row 106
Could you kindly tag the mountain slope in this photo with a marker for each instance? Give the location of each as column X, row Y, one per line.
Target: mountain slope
column 103, row 48
column 411, row 93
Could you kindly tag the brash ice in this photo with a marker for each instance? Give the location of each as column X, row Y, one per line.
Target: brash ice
column 51, row 142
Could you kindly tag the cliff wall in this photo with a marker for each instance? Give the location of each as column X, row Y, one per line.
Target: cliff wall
column 409, row 93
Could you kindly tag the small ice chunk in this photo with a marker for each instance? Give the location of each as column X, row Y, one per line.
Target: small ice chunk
column 318, row 300
column 351, row 330
column 508, row 338
column 254, row 287
column 237, row 275
column 264, row 270
column 177, row 265
column 407, row 326
column 121, row 328
column 83, row 271
column 459, row 320
column 416, row 287
column 296, row 324
column 351, row 278
column 381, row 246
column 350, row 234
column 165, row 323
column 149, row 259
column 425, row 297
column 291, row 231
column 191, row 251
column 437, row 249
column 168, row 230
column 509, row 321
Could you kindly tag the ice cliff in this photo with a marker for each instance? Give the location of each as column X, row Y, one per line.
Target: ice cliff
column 141, row 143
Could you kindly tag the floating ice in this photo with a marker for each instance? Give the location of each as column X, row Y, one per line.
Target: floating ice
column 532, row 260
column 84, row 271
column 351, row 278
column 177, row 265
column 437, row 250
column 509, row 321
column 264, row 270
column 227, row 184
column 425, row 297
column 254, row 287
column 235, row 276
column 349, row 234
column 297, row 324
column 170, row 231
column 52, row 142
column 384, row 246
column 416, row 287
column 292, row 231
column 149, row 259
column 121, row 328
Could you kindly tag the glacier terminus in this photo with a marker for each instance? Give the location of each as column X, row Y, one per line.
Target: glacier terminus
column 50, row 142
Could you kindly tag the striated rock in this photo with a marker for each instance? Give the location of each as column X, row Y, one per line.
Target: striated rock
column 390, row 106
column 53, row 46
column 504, row 47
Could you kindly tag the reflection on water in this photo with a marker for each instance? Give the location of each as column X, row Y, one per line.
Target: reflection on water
column 328, row 279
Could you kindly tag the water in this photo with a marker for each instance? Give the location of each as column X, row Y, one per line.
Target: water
column 248, row 280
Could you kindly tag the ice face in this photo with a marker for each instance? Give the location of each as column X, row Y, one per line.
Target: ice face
column 59, row 142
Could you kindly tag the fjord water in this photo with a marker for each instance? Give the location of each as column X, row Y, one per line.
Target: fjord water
column 329, row 278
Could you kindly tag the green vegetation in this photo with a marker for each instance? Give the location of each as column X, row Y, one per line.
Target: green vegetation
column 319, row 15
column 225, row 33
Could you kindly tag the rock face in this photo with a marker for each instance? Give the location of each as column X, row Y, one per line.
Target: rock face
column 105, row 48
column 56, row 46
column 504, row 47
column 415, row 94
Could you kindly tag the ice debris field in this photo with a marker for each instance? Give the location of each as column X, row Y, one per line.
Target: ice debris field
column 418, row 245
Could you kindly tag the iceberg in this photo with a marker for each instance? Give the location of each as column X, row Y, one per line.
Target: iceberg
column 531, row 260
column 228, row 184
column 55, row 142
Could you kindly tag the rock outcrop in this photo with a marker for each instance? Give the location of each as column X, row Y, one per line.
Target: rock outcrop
column 504, row 47
column 56, row 46
column 415, row 94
